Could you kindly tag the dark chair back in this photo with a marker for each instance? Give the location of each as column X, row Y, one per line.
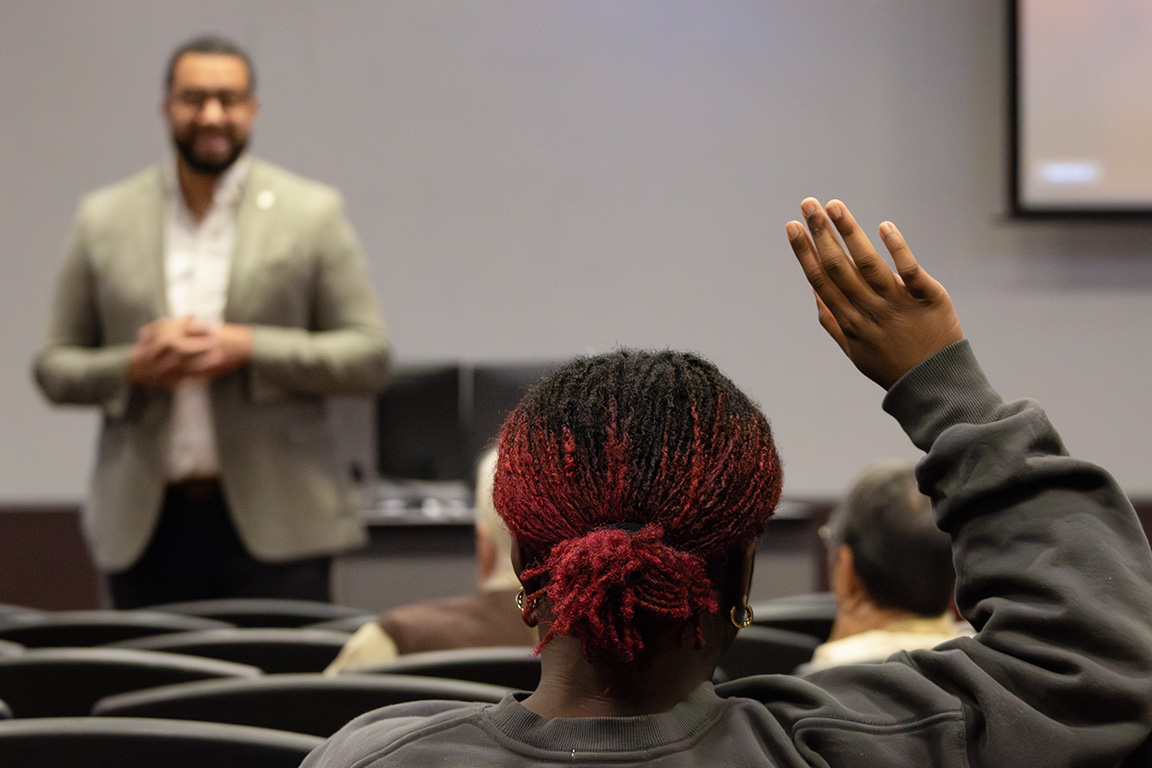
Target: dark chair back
column 1141, row 758
column 264, row 612
column 100, row 742
column 313, row 703
column 272, row 650
column 57, row 629
column 347, row 624
column 515, row 667
column 811, row 614
column 765, row 651
column 58, row 682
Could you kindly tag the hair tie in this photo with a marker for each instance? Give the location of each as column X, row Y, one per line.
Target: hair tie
column 629, row 528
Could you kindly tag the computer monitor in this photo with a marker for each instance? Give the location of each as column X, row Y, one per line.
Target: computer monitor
column 420, row 425
column 435, row 420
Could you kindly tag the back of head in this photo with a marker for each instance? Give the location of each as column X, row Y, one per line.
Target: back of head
column 631, row 482
column 902, row 558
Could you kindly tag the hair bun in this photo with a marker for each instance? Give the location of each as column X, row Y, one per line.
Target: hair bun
column 600, row 583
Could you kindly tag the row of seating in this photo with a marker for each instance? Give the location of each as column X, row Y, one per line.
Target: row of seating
column 43, row 682
column 35, row 628
column 97, row 742
column 191, row 624
column 124, row 702
column 255, row 665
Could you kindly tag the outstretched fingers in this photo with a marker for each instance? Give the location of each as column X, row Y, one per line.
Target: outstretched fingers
column 824, row 290
column 859, row 273
column 811, row 262
column 886, row 322
column 919, row 284
column 869, row 264
column 836, row 268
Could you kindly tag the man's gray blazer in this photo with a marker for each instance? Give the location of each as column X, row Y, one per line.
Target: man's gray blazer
column 299, row 279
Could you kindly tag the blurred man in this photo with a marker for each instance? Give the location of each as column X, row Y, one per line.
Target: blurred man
column 890, row 569
column 208, row 305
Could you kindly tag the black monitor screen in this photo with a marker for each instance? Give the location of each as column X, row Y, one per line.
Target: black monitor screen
column 496, row 389
column 420, row 432
column 434, row 421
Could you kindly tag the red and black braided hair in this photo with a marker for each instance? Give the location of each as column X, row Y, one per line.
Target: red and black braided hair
column 627, row 479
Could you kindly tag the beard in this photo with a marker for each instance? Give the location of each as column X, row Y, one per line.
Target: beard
column 204, row 163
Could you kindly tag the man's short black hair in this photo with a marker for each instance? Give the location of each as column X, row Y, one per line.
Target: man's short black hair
column 902, row 558
column 216, row 44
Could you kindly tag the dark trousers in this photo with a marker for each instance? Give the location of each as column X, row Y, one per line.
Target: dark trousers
column 196, row 554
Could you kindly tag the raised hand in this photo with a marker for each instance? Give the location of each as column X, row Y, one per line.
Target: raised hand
column 885, row 321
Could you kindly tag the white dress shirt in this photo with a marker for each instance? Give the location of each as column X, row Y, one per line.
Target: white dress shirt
column 197, row 263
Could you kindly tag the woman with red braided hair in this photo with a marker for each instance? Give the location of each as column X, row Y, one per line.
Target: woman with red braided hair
column 635, row 484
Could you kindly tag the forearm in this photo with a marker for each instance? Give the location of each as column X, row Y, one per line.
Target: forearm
column 80, row 361
column 1052, row 566
column 1053, row 569
column 342, row 347
column 78, row 375
column 348, row 361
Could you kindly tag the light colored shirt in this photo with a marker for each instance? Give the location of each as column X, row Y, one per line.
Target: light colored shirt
column 197, row 262
column 879, row 644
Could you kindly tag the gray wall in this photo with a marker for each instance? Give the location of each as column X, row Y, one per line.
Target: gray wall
column 534, row 179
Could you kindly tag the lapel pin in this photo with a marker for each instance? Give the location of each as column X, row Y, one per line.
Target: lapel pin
column 265, row 199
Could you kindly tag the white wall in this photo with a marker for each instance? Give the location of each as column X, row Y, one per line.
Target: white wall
column 534, row 179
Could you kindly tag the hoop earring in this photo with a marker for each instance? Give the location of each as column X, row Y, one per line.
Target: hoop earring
column 520, row 598
column 746, row 621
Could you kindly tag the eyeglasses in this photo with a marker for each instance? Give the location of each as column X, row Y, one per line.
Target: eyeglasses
column 195, row 99
column 830, row 536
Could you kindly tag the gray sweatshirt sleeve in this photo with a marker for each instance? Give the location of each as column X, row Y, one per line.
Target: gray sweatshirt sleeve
column 1053, row 571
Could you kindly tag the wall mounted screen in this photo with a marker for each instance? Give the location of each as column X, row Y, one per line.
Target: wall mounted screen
column 1082, row 108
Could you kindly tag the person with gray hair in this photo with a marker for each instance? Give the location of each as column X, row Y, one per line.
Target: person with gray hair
column 890, row 570
column 487, row 617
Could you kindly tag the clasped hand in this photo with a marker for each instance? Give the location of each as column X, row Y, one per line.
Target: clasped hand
column 169, row 350
column 885, row 321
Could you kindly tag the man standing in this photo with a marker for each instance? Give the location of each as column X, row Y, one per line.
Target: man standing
column 209, row 307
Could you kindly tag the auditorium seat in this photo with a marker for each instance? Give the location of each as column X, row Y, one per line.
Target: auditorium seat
column 51, row 682
column 510, row 666
column 765, row 651
column 44, row 629
column 115, row 742
column 811, row 613
column 274, row 649
column 264, row 612
column 310, row 703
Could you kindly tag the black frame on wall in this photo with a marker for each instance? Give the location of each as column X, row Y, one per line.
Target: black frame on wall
column 1019, row 206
